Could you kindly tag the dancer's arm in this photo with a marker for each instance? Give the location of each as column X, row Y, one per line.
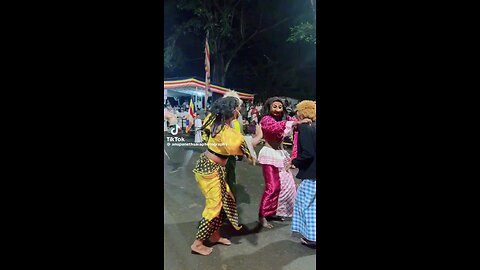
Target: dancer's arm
column 280, row 129
column 258, row 135
column 236, row 145
column 271, row 126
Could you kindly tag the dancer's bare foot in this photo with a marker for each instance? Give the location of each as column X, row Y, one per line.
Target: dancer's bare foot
column 277, row 218
column 216, row 238
column 224, row 241
column 308, row 242
column 265, row 223
column 199, row 248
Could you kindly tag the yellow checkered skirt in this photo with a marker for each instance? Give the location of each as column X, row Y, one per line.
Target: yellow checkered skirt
column 219, row 200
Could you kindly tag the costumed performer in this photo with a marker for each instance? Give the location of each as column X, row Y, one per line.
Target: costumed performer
column 305, row 211
column 279, row 193
column 223, row 141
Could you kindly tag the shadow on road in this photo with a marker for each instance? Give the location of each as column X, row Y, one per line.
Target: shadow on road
column 178, row 238
column 242, row 195
column 248, row 232
column 273, row 256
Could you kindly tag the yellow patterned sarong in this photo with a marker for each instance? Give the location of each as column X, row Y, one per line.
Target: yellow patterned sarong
column 219, row 200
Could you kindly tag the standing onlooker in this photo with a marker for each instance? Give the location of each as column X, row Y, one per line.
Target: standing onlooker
column 259, row 108
column 239, row 120
column 243, row 111
column 170, row 118
column 198, row 132
column 254, row 115
column 305, row 211
column 165, row 124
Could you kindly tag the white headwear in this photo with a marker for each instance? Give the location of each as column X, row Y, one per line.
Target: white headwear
column 235, row 95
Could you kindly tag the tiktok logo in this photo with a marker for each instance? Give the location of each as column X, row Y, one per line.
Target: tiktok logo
column 174, row 130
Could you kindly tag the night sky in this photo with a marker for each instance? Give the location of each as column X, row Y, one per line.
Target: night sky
column 295, row 61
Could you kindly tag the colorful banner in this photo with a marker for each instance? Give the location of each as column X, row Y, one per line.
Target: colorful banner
column 192, row 82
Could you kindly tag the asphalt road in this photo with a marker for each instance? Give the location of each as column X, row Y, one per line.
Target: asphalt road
column 252, row 248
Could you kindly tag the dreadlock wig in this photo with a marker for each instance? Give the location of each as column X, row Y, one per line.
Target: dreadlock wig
column 222, row 109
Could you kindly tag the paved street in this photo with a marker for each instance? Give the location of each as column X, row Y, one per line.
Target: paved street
column 252, row 248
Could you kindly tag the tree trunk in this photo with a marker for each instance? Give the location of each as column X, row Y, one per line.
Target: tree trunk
column 219, row 74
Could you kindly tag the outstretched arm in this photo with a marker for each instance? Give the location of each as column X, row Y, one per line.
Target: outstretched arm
column 282, row 128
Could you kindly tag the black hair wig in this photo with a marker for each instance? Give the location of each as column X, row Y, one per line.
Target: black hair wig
column 266, row 108
column 222, row 109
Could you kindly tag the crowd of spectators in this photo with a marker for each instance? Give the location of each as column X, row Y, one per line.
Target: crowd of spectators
column 250, row 113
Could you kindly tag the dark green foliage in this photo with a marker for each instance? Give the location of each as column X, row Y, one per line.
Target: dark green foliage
column 267, row 47
column 303, row 32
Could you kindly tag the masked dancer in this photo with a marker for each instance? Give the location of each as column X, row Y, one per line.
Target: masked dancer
column 223, row 141
column 279, row 194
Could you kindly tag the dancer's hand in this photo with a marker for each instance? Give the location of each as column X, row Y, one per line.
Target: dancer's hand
column 304, row 121
column 258, row 130
column 258, row 135
column 252, row 161
column 289, row 165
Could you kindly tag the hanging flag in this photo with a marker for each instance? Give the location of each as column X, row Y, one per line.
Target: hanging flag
column 207, row 69
column 191, row 110
column 191, row 116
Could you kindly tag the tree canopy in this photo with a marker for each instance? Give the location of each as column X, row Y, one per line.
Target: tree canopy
column 267, row 47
